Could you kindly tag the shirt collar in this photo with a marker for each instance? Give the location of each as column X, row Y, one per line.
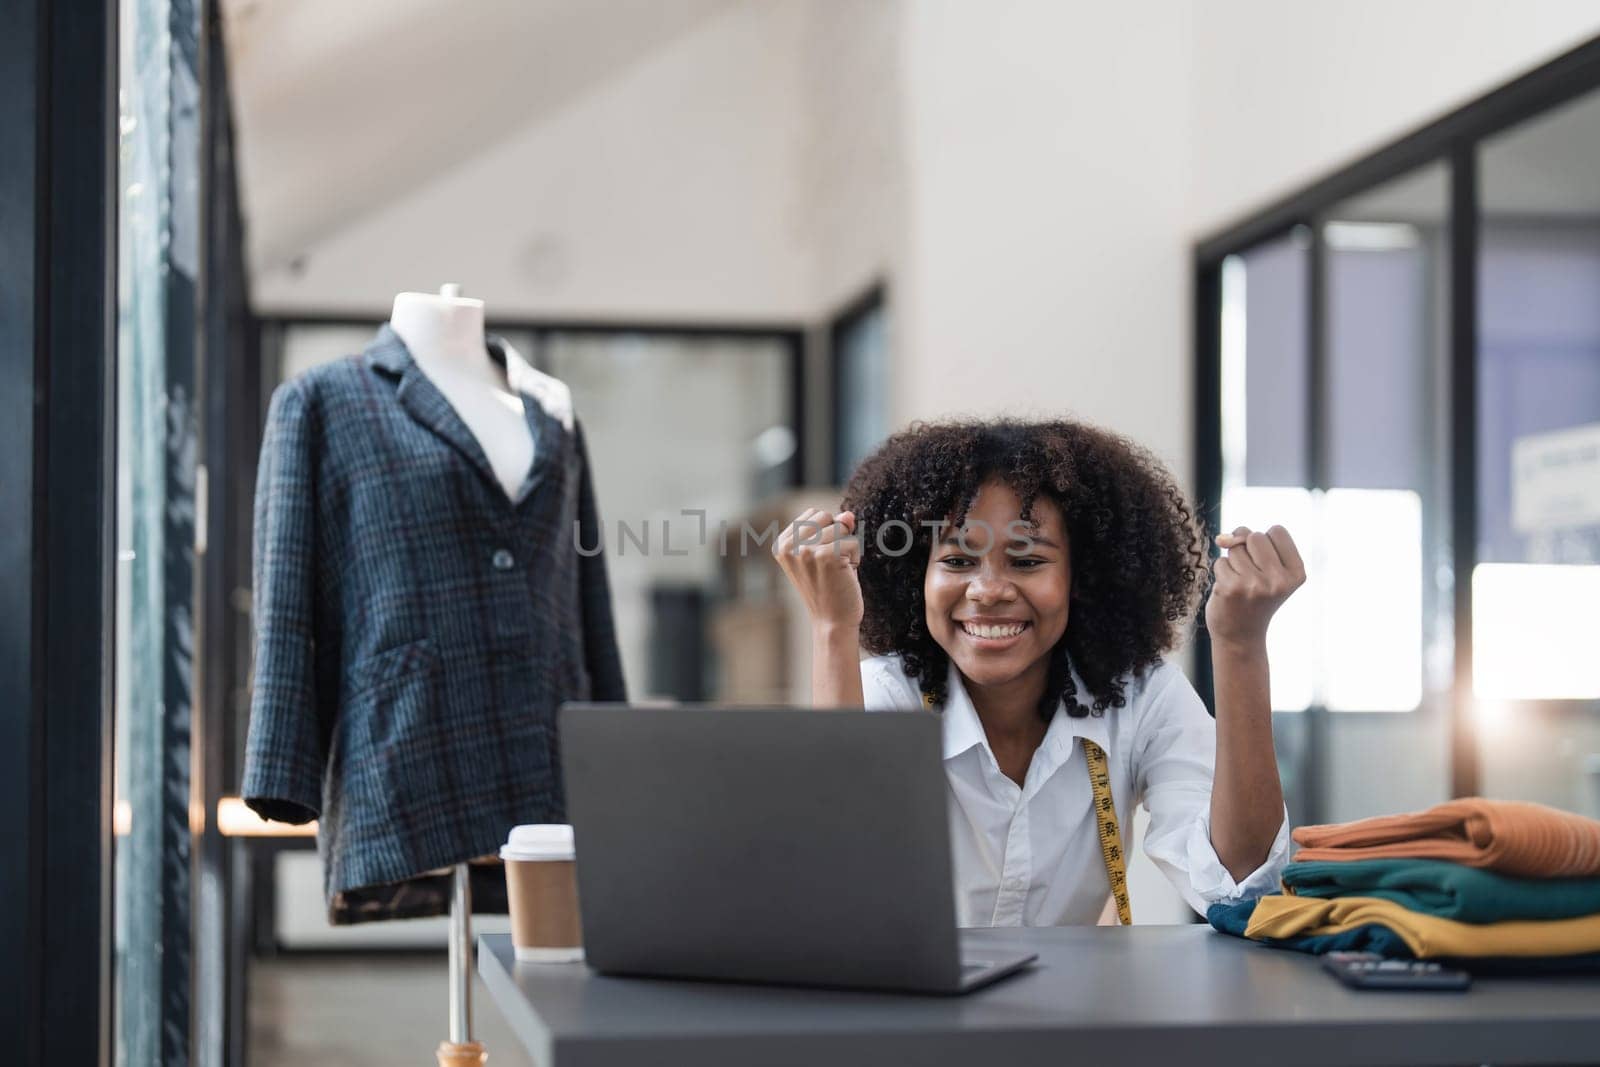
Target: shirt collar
column 963, row 729
column 551, row 394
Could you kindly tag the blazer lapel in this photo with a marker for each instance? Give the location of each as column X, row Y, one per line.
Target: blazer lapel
column 422, row 400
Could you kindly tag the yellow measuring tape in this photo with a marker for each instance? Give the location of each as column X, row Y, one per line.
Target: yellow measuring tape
column 1105, row 817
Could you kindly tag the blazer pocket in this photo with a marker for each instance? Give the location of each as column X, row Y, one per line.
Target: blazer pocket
column 391, row 741
column 392, row 664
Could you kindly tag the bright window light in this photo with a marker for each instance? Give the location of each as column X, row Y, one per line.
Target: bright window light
column 1534, row 632
column 1351, row 638
column 1235, row 397
column 1370, row 236
column 1370, row 564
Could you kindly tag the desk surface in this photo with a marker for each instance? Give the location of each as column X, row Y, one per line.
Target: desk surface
column 1180, row 995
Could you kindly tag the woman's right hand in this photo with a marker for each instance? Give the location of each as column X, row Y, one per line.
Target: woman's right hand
column 820, row 558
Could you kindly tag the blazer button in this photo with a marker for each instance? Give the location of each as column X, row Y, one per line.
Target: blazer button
column 503, row 560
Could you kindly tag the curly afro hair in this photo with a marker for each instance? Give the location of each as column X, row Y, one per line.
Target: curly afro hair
column 1140, row 555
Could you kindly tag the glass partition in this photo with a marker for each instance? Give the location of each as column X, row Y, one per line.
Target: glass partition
column 1401, row 362
column 1333, row 372
column 1535, row 671
column 1266, row 466
column 685, row 433
column 1384, row 597
column 155, row 817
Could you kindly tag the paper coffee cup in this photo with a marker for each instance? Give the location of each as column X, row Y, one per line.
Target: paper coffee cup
column 542, row 889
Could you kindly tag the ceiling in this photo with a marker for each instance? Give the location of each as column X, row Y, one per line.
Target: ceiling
column 340, row 106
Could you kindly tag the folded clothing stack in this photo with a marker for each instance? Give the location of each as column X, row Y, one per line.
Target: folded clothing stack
column 1497, row 885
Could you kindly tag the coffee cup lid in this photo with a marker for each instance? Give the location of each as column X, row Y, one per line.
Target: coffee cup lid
column 539, row 841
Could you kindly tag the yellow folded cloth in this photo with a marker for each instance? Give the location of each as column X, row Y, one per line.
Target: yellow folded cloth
column 1428, row 935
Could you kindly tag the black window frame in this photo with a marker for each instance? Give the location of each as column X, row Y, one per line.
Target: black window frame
column 58, row 115
column 872, row 300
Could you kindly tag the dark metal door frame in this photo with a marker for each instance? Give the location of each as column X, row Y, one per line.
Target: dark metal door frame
column 58, row 80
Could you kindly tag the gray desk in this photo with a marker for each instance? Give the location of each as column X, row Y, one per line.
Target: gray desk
column 1177, row 995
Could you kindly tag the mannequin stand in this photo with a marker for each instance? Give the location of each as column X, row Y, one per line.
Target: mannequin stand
column 461, row 1050
column 439, row 326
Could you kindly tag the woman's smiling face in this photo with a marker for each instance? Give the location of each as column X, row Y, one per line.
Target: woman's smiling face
column 997, row 590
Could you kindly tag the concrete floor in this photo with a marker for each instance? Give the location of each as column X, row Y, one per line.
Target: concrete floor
column 368, row 1010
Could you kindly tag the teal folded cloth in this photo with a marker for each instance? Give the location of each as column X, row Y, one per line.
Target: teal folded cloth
column 1448, row 890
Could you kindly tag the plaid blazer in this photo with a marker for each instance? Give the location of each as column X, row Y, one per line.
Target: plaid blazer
column 415, row 629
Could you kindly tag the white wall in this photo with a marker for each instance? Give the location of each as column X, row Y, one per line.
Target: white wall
column 1284, row 92
column 1047, row 259
column 1044, row 261
column 671, row 191
column 853, row 146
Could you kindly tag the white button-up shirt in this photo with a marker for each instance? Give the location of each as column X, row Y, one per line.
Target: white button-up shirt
column 1029, row 855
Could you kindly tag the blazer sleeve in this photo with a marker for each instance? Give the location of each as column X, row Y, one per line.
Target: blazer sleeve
column 601, row 657
column 284, row 749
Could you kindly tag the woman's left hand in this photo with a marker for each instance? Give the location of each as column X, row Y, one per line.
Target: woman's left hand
column 1258, row 573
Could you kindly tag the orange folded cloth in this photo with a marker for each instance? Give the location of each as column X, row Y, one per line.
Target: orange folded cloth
column 1510, row 836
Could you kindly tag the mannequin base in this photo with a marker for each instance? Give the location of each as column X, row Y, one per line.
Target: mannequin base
column 470, row 1054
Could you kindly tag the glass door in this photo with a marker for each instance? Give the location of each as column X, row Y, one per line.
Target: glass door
column 1382, row 533
column 1266, row 464
column 1535, row 668
column 1333, row 386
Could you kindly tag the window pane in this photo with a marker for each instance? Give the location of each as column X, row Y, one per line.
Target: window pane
column 1385, row 524
column 1539, row 391
column 1373, row 658
column 1381, row 542
column 1538, row 400
column 157, row 422
column 1264, row 364
column 861, row 401
column 309, row 345
column 1538, row 576
column 675, row 424
column 1378, row 353
column 1265, row 463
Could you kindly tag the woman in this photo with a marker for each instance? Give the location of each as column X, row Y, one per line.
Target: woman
column 1026, row 579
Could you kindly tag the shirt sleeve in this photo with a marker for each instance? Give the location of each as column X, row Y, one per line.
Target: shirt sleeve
column 885, row 687
column 1174, row 756
column 284, row 749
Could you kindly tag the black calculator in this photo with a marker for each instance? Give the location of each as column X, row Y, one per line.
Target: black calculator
column 1368, row 970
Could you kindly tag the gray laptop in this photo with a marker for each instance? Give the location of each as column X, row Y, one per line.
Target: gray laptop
column 790, row 846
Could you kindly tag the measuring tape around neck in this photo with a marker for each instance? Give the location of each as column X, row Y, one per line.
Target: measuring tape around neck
column 1106, row 826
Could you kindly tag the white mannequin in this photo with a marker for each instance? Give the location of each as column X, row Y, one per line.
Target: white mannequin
column 444, row 334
